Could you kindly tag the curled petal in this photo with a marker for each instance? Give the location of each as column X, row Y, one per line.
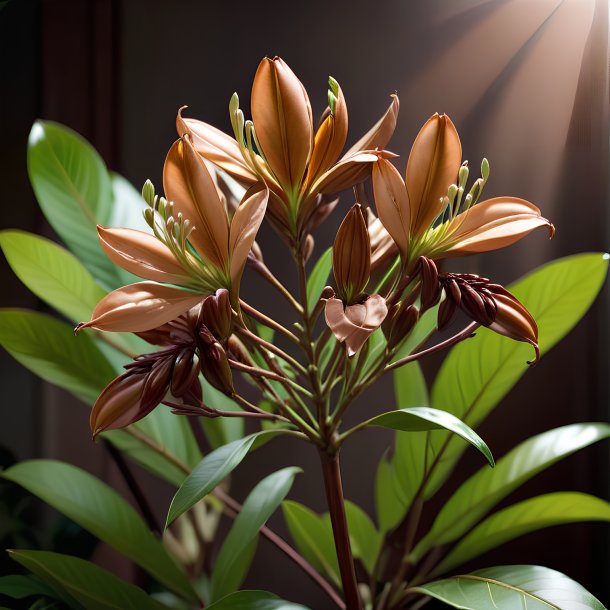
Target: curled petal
column 140, row 307
column 352, row 169
column 141, row 254
column 381, row 132
column 187, row 182
column 216, row 146
column 282, row 118
column 383, row 246
column 355, row 323
column 494, row 223
column 432, row 167
column 392, row 203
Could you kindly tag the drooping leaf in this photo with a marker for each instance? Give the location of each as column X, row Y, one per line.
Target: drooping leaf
column 364, row 537
column 318, row 278
column 20, row 586
column 83, row 583
column 522, row 518
column 479, row 372
column 260, row 504
column 254, row 600
column 419, row 419
column 313, row 537
column 510, row 587
column 52, row 273
column 483, row 490
column 100, row 510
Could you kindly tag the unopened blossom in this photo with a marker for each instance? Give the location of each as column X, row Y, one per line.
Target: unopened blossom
column 301, row 167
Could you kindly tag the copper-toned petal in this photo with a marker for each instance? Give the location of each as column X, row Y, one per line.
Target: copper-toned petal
column 139, row 307
column 355, row 324
column 142, row 254
column 188, row 184
column 216, row 314
column 381, row 132
column 383, row 247
column 392, row 203
column 282, row 118
column 218, row 147
column 433, row 166
column 244, row 227
column 351, row 170
column 494, row 224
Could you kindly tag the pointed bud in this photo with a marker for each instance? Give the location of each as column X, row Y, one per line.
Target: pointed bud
column 186, row 370
column 399, row 324
column 430, row 288
column 238, row 350
column 307, row 247
column 216, row 369
column 352, row 255
column 216, row 314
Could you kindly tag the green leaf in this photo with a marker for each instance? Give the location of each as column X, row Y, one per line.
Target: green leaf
column 390, row 505
column 479, row 372
column 318, row 278
column 127, row 205
column 100, row 510
column 313, row 537
column 48, row 348
column 20, row 586
column 364, row 537
column 212, row 469
column 483, row 490
column 260, row 504
column 522, row 518
column 419, row 419
column 85, row 583
column 254, row 600
column 52, row 273
column 221, row 430
column 509, row 587
column 410, row 387
column 74, row 191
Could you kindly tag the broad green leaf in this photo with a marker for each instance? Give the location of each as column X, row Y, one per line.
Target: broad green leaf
column 313, row 537
column 420, row 419
column 85, row 583
column 522, row 518
column 52, row 273
column 48, row 348
column 127, row 205
column 212, row 469
column 100, row 510
column 74, row 191
column 254, row 600
column 318, row 278
column 260, row 504
column 410, row 387
column 20, row 586
column 510, row 587
column 221, row 430
column 390, row 506
column 375, row 346
column 479, row 372
column 483, row 490
column 364, row 537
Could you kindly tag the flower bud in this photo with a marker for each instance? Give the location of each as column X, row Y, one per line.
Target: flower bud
column 352, row 255
column 216, row 369
column 186, row 370
column 400, row 324
column 216, row 314
column 430, row 289
column 307, row 247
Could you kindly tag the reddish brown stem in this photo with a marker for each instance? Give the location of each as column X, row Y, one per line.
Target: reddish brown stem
column 336, row 507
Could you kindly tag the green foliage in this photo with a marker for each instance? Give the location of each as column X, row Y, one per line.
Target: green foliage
column 318, row 278
column 364, row 537
column 508, row 587
column 254, row 600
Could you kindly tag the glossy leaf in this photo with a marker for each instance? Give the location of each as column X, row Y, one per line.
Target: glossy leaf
column 84, row 583
column 522, row 518
column 420, row 419
column 254, row 600
column 74, row 191
column 127, row 205
column 479, row 372
column 260, row 504
column 509, row 587
column 52, row 273
column 318, row 278
column 49, row 349
column 212, row 469
column 313, row 537
column 364, row 537
column 390, row 505
column 20, row 586
column 482, row 491
column 100, row 510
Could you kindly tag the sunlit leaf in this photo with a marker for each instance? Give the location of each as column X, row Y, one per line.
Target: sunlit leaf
column 318, row 278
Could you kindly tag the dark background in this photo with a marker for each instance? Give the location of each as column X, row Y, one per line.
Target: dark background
column 526, row 83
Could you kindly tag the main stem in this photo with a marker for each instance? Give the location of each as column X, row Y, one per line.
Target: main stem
column 336, row 507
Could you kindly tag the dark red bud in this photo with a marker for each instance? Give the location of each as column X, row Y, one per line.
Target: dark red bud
column 216, row 314
column 430, row 290
column 216, row 369
column 186, row 370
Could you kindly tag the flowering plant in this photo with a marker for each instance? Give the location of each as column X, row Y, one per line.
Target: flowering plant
column 198, row 360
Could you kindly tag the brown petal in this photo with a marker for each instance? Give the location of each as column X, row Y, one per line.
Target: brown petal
column 352, row 255
column 216, row 369
column 433, row 166
column 351, row 170
column 188, row 184
column 282, row 118
column 218, row 147
column 186, row 370
column 216, row 314
column 244, row 227
column 139, row 307
column 392, row 203
column 383, row 246
column 142, row 254
column 355, row 324
column 382, row 131
column 495, row 223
